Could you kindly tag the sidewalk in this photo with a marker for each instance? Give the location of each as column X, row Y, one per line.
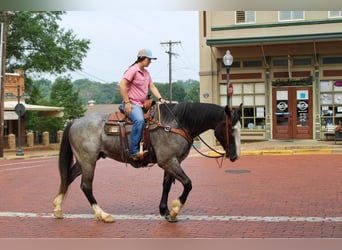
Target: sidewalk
column 36, row 151
column 291, row 147
column 271, row 147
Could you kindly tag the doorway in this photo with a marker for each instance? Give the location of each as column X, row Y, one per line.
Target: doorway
column 292, row 112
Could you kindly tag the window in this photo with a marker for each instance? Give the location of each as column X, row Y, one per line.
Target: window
column 280, row 62
column 245, row 64
column 335, row 14
column 252, row 95
column 332, row 60
column 331, row 104
column 245, row 17
column 252, row 64
column 305, row 61
column 291, row 15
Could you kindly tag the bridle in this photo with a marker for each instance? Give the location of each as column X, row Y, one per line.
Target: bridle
column 220, row 155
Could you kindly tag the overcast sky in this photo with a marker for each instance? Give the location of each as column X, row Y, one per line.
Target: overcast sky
column 116, row 38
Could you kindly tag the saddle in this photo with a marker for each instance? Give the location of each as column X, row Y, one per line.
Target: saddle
column 114, row 120
column 118, row 124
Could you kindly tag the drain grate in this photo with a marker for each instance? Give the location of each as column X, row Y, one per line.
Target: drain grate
column 237, row 171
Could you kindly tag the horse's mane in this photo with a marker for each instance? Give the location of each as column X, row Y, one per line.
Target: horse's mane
column 188, row 114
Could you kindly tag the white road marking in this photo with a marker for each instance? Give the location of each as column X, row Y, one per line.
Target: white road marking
column 19, row 163
column 182, row 217
column 20, row 168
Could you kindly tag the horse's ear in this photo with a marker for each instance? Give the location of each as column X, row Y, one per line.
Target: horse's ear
column 239, row 110
column 227, row 110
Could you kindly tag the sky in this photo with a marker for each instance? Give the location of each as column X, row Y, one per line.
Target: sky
column 117, row 36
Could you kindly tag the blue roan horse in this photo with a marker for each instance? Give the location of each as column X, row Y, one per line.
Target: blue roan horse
column 85, row 141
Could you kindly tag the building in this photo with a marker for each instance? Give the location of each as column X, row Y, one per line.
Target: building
column 14, row 86
column 287, row 70
column 92, row 107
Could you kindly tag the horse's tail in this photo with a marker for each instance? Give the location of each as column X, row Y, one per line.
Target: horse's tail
column 65, row 160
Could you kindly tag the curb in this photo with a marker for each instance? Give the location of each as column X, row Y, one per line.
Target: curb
column 322, row 151
column 284, row 152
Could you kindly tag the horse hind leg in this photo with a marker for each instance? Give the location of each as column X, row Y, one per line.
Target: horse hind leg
column 87, row 188
column 58, row 201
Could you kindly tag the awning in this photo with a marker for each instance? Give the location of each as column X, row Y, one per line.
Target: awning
column 217, row 42
column 43, row 110
column 10, row 115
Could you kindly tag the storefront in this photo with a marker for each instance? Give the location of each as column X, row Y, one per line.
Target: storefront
column 290, row 84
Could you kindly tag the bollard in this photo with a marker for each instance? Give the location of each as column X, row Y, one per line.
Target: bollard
column 11, row 141
column 46, row 139
column 30, row 139
column 59, row 136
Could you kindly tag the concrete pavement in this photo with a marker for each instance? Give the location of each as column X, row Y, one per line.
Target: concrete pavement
column 271, row 147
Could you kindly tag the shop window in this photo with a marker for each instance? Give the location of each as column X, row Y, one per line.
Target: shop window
column 331, row 104
column 252, row 95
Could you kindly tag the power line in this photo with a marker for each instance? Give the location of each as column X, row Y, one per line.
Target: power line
column 170, row 44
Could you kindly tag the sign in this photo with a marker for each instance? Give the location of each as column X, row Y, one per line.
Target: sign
column 230, row 89
column 20, row 109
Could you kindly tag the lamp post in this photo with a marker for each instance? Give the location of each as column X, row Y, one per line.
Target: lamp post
column 20, row 110
column 228, row 61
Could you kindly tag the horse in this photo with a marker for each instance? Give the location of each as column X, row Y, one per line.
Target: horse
column 84, row 141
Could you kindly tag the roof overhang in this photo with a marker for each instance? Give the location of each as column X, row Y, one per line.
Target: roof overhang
column 9, row 107
column 221, row 42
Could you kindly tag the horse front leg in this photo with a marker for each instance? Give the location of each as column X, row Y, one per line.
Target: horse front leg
column 167, row 182
column 177, row 204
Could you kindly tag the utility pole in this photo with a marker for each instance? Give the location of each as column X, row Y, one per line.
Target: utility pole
column 2, row 79
column 170, row 44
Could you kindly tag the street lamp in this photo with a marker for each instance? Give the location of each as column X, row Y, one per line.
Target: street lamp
column 20, row 111
column 228, row 61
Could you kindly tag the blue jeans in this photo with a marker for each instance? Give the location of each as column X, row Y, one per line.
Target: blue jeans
column 137, row 118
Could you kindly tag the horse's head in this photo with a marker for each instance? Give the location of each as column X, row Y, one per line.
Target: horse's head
column 232, row 146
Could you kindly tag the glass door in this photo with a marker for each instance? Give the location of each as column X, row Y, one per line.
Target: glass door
column 292, row 112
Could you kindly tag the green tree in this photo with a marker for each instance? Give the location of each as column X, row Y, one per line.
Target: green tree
column 44, row 87
column 192, row 95
column 63, row 95
column 36, row 43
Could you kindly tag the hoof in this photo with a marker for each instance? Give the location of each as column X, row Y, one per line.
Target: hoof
column 108, row 219
column 58, row 214
column 169, row 218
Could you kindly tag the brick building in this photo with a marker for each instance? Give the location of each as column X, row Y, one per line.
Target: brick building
column 13, row 82
column 287, row 70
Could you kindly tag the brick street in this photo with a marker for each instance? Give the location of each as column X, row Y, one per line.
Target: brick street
column 297, row 196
